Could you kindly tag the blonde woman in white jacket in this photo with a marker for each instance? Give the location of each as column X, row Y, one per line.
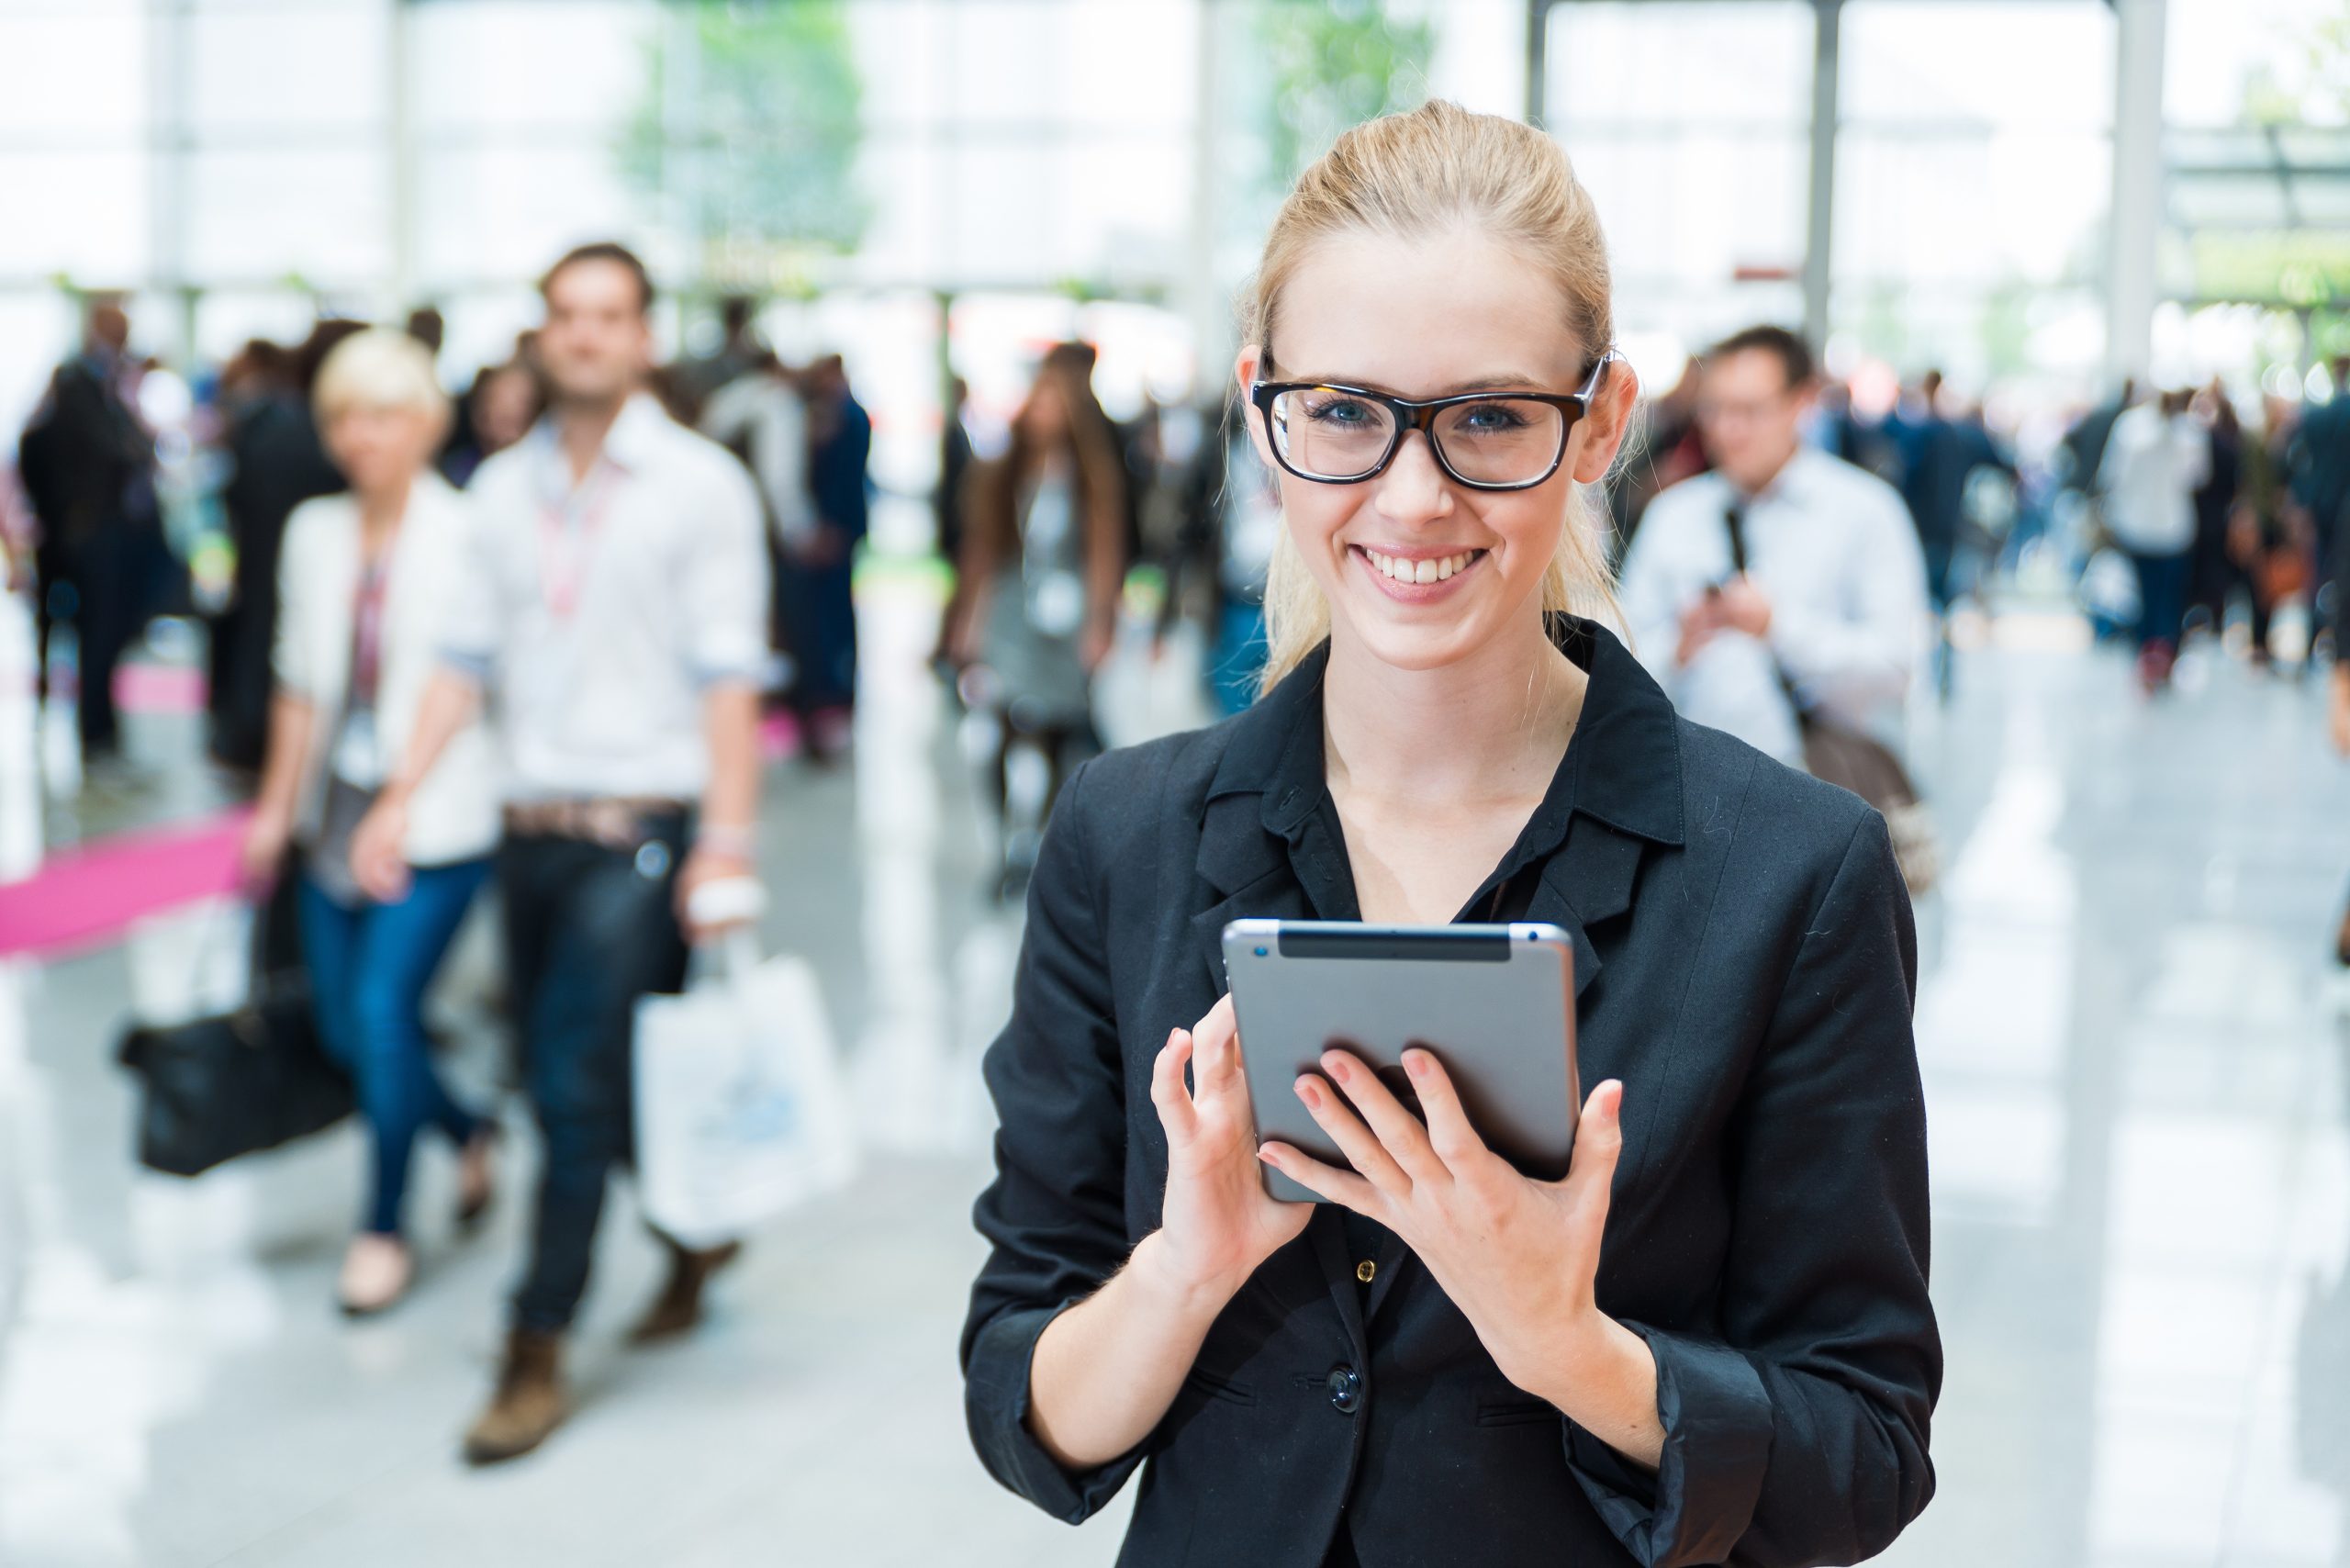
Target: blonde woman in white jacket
column 360, row 583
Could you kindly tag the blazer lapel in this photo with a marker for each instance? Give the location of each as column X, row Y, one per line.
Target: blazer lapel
column 1588, row 882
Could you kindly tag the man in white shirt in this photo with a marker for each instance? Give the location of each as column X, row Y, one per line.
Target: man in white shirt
column 1829, row 597
column 616, row 604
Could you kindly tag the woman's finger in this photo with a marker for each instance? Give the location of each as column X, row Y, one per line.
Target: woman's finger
column 1450, row 1134
column 1167, row 1091
column 1338, row 1186
column 1216, row 1041
column 1357, row 1142
column 1599, row 1140
column 1399, row 1132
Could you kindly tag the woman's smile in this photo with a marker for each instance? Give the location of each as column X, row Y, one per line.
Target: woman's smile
column 1416, row 576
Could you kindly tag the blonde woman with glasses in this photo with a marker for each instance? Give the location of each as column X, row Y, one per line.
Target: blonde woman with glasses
column 360, row 587
column 1711, row 1340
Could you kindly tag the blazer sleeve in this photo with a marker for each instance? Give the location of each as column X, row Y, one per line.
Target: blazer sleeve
column 1055, row 1215
column 1799, row 1437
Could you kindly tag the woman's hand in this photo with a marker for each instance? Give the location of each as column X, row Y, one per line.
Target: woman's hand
column 1518, row 1256
column 1218, row 1222
column 262, row 856
column 378, row 853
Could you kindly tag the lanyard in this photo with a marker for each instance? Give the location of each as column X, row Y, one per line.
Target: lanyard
column 563, row 550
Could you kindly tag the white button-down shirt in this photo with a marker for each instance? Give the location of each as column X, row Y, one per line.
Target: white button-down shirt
column 600, row 611
column 1833, row 549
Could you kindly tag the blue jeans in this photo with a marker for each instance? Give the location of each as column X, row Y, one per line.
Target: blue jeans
column 369, row 966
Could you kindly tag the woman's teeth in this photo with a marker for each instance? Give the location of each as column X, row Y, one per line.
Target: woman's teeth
column 1422, row 571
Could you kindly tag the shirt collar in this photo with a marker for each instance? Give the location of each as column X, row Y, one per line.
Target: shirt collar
column 626, row 446
column 1622, row 767
column 1788, row 483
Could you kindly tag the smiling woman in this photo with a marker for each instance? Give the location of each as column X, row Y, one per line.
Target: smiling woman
column 1710, row 1340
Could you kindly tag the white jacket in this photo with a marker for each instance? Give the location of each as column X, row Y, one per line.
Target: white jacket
column 2153, row 467
column 454, row 813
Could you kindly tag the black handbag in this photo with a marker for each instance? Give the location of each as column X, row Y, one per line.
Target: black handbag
column 215, row 1088
column 1853, row 759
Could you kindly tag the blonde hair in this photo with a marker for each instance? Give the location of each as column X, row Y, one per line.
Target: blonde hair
column 1434, row 170
column 378, row 368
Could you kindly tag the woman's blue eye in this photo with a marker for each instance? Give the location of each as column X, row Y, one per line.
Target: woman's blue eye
column 1485, row 419
column 1342, row 411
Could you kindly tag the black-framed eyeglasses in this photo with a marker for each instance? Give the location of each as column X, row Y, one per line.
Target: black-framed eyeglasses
column 1487, row 441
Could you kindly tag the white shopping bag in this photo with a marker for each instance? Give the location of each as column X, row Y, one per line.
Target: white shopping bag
column 741, row 1111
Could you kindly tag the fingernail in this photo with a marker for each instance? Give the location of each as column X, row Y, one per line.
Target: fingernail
column 1306, row 1091
column 1336, row 1066
column 1416, row 1063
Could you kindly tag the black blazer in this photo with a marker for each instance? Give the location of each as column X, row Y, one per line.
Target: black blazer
column 1744, row 961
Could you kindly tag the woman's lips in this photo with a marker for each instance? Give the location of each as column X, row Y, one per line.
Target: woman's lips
column 1415, row 580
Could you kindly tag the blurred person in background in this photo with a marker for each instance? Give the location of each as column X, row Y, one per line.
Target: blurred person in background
column 1830, row 609
column 1665, row 449
column 948, row 504
column 2270, row 539
column 2321, row 469
column 363, row 578
column 696, row 378
column 19, row 533
column 2211, row 574
column 613, row 598
column 760, row 417
column 495, row 413
column 276, row 462
column 2157, row 456
column 1230, row 518
column 87, row 464
column 1939, row 450
column 819, row 599
column 1043, row 559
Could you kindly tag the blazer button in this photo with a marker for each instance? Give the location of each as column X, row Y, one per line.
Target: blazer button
column 1345, row 1390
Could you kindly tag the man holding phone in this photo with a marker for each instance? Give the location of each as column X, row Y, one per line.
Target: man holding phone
column 1781, row 560
column 617, row 604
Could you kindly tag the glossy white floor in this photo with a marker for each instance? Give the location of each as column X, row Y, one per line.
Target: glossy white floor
column 2139, row 1097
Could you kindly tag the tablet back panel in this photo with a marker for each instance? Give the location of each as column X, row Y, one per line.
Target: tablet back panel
column 1495, row 1003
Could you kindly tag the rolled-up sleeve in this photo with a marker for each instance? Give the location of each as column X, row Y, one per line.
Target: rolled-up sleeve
column 1800, row 1435
column 725, row 601
column 1055, row 1215
column 470, row 620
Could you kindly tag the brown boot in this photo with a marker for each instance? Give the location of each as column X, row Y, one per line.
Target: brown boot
column 678, row 1307
column 528, row 1404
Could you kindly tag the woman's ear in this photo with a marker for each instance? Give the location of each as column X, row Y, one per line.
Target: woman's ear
column 1245, row 368
column 1602, row 432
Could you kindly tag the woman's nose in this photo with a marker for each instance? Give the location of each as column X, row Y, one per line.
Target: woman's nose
column 1414, row 490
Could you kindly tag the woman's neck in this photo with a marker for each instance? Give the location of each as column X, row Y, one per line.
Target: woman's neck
column 380, row 511
column 1490, row 728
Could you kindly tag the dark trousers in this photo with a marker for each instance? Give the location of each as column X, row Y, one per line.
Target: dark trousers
column 819, row 623
column 94, row 588
column 589, row 929
column 369, row 966
column 2161, row 599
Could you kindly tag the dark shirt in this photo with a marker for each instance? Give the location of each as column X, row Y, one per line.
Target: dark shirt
column 1744, row 963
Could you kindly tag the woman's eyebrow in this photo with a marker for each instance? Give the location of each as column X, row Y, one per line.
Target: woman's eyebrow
column 1504, row 381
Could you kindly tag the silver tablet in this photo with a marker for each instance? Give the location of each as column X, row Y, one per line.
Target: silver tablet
column 1495, row 1003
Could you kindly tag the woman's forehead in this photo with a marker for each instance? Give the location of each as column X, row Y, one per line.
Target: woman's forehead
column 1425, row 316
